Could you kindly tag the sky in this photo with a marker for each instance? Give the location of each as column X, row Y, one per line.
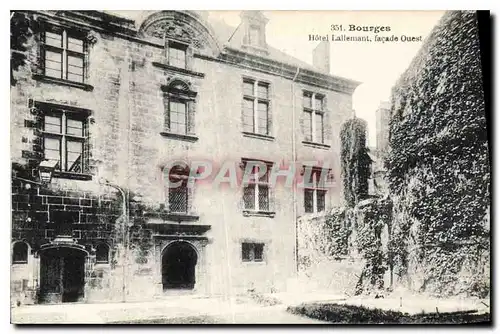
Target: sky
column 376, row 65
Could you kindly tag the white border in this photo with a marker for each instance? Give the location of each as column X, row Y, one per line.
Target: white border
column 190, row 4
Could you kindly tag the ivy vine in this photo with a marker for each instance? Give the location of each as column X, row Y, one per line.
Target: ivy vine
column 438, row 165
column 355, row 162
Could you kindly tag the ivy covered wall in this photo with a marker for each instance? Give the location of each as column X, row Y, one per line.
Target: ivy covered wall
column 438, row 164
column 347, row 248
column 355, row 161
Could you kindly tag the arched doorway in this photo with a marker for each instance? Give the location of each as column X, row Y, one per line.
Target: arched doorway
column 62, row 274
column 178, row 264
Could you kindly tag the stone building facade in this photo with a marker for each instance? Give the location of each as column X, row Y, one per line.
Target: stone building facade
column 106, row 104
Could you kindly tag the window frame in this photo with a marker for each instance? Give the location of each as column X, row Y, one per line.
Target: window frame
column 315, row 188
column 179, row 174
column 66, row 52
column 107, row 261
column 16, row 261
column 171, row 44
column 252, row 252
column 256, row 100
column 64, row 138
column 256, row 183
column 179, row 91
column 178, row 100
column 313, row 113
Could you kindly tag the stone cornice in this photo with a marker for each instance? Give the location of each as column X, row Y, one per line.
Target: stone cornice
column 83, row 22
column 254, row 62
column 94, row 19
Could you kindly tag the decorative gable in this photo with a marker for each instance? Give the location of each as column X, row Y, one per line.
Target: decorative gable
column 185, row 27
column 254, row 27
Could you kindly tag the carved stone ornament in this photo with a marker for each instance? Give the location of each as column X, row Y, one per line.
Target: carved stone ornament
column 92, row 37
column 177, row 30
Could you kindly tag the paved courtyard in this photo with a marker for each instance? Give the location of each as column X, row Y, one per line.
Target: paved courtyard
column 188, row 308
column 241, row 310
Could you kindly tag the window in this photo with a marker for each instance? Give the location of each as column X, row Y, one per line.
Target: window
column 20, row 252
column 64, row 139
column 178, row 116
column 314, row 129
column 252, row 252
column 179, row 108
column 256, row 118
column 178, row 190
column 63, row 55
column 177, row 54
column 256, row 190
column 102, row 253
column 314, row 191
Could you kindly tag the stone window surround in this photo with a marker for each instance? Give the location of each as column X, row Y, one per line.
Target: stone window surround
column 315, row 111
column 108, row 253
column 39, row 108
column 171, row 91
column 254, row 134
column 267, row 242
column 252, row 250
column 25, row 255
column 88, row 38
column 179, row 173
column 256, row 212
column 316, row 187
column 63, row 137
column 177, row 46
column 182, row 194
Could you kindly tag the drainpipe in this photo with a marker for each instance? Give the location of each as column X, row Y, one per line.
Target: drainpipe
column 124, row 234
column 294, row 161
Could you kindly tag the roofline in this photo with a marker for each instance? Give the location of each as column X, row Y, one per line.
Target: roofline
column 306, row 75
column 126, row 28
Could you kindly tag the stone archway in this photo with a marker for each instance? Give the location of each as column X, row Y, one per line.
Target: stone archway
column 178, row 266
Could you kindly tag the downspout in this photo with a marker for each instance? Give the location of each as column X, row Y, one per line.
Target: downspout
column 294, row 161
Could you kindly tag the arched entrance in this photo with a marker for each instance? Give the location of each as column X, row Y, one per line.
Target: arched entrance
column 62, row 273
column 178, row 264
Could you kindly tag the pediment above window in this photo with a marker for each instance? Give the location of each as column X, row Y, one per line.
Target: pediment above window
column 183, row 26
column 178, row 86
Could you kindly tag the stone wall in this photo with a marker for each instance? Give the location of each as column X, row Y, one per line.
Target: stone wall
column 345, row 251
column 127, row 147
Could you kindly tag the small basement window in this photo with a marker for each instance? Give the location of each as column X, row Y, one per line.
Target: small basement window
column 20, row 252
column 252, row 252
column 102, row 253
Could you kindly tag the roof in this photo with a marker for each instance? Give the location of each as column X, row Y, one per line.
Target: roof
column 232, row 36
column 226, row 35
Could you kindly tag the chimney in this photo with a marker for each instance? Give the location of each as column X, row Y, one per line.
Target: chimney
column 321, row 57
column 383, row 116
